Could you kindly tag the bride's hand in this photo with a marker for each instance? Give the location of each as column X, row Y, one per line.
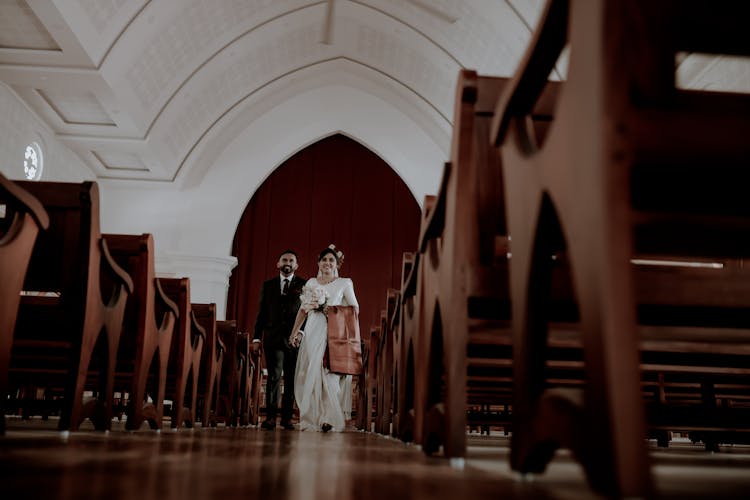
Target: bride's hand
column 295, row 339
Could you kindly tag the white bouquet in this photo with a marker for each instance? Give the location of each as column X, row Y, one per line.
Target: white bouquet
column 313, row 298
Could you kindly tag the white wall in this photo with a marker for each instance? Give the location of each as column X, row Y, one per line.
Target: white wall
column 18, row 128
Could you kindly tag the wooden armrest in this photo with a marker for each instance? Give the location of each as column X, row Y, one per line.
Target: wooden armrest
column 436, row 217
column 407, row 263
column 410, row 286
column 220, row 346
column 393, row 321
column 197, row 326
column 527, row 85
column 113, row 269
column 31, row 204
column 168, row 303
column 129, row 244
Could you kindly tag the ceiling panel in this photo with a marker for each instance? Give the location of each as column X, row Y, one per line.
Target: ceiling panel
column 20, row 28
column 77, row 109
column 114, row 160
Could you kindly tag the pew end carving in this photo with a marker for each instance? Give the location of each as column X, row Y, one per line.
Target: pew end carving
column 22, row 216
column 145, row 344
column 593, row 195
column 183, row 368
column 462, row 344
column 212, row 361
column 67, row 334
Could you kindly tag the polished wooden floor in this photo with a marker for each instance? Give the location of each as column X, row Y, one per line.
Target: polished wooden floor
column 38, row 462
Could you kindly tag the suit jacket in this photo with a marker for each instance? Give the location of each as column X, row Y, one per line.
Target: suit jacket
column 276, row 312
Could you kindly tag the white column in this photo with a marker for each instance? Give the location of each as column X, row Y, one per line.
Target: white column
column 209, row 276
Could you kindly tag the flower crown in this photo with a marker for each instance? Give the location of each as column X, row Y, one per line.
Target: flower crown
column 339, row 254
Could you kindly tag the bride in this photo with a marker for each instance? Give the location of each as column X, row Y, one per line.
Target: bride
column 324, row 398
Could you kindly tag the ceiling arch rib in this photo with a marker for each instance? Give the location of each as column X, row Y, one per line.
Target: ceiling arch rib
column 487, row 35
column 264, row 143
column 164, row 46
column 338, row 71
column 275, row 52
column 98, row 25
column 275, row 19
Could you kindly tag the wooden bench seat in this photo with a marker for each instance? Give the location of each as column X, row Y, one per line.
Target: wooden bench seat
column 183, row 368
column 462, row 288
column 600, row 188
column 229, row 401
column 399, row 356
column 68, row 311
column 249, row 390
column 405, row 369
column 146, row 340
column 212, row 361
column 384, row 355
column 21, row 218
column 368, row 381
column 255, row 380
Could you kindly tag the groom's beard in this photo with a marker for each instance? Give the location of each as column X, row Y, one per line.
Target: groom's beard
column 286, row 269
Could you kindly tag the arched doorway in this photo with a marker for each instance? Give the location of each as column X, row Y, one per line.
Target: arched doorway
column 334, row 191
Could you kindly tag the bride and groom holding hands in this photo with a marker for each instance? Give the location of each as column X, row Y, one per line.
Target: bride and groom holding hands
column 295, row 320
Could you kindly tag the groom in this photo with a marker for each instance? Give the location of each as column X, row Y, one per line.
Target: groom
column 279, row 302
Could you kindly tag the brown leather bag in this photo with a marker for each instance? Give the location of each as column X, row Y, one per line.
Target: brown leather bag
column 344, row 342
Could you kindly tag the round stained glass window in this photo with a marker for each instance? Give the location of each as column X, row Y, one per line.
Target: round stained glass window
column 33, row 162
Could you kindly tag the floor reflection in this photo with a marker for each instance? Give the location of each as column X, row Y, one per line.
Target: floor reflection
column 291, row 465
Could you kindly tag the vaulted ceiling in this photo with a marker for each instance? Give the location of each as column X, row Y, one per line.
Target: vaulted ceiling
column 136, row 87
column 133, row 86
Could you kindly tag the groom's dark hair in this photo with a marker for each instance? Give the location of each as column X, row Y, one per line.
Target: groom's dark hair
column 291, row 252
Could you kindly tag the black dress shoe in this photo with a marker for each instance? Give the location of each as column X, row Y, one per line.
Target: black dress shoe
column 286, row 425
column 326, row 427
column 268, row 425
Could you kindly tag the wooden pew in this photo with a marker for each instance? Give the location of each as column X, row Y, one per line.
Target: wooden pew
column 370, row 380
column 21, row 219
column 389, row 368
column 146, row 340
column 362, row 389
column 183, row 368
column 427, row 336
column 406, row 262
column 598, row 188
column 229, row 399
column 463, row 351
column 413, row 385
column 248, row 379
column 256, row 384
column 65, row 327
column 385, row 381
column 404, row 372
column 212, row 360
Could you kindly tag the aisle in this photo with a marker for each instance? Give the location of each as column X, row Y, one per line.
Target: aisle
column 226, row 464
column 35, row 462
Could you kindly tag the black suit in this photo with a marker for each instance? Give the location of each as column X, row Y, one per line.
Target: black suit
column 276, row 315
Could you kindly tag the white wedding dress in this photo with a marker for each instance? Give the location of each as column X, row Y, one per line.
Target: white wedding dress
column 322, row 397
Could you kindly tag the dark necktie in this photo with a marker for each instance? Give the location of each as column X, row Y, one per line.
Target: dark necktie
column 285, row 288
